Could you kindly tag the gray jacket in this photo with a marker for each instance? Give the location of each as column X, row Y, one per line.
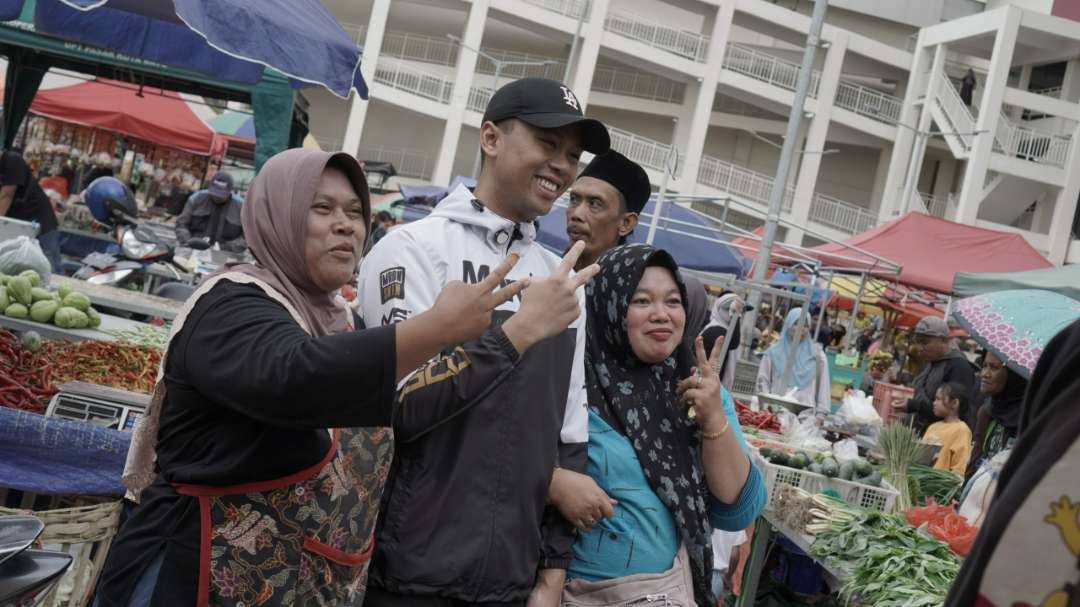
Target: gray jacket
column 198, row 221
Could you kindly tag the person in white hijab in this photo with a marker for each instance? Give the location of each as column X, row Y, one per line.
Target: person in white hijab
column 726, row 315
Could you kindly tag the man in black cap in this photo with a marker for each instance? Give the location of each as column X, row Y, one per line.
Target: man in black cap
column 605, row 203
column 464, row 516
column 213, row 214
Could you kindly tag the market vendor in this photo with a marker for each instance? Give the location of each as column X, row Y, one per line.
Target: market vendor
column 245, row 496
column 22, row 198
column 809, row 374
column 213, row 214
column 942, row 363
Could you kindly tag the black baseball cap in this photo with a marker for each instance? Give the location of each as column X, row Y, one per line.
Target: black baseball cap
column 546, row 104
column 221, row 185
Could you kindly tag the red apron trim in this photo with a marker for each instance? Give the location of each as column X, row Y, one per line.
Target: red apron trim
column 349, row 559
column 261, row 486
column 204, row 551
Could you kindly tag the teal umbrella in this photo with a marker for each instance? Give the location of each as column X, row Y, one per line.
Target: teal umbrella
column 1016, row 325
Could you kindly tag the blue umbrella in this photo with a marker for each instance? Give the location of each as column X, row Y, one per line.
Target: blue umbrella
column 229, row 39
column 690, row 250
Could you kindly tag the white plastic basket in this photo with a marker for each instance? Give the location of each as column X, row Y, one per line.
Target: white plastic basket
column 857, row 494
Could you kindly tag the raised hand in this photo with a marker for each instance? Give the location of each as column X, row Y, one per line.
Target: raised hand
column 549, row 304
column 465, row 310
column 701, row 391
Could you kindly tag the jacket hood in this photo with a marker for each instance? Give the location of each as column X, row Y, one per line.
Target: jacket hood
column 462, row 207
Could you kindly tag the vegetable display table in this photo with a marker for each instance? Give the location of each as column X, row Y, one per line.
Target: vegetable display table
column 51, row 331
column 766, row 525
column 122, row 299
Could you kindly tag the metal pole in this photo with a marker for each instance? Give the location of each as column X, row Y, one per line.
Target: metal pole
column 913, row 172
column 574, row 47
column 670, row 163
column 854, row 312
column 494, row 87
column 787, row 152
column 821, row 306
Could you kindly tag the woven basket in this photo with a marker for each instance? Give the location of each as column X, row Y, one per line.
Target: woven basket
column 86, row 532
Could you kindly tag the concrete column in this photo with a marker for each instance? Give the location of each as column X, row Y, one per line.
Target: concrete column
column 945, row 177
column 463, row 81
column 694, row 127
column 916, row 86
column 592, row 31
column 354, row 125
column 810, row 161
column 1070, row 86
column 880, row 175
column 979, row 159
column 1065, row 206
column 1017, row 113
column 1044, row 213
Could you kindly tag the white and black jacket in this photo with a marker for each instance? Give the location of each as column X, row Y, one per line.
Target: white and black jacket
column 463, row 514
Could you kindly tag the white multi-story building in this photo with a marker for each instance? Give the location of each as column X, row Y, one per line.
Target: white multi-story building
column 715, row 81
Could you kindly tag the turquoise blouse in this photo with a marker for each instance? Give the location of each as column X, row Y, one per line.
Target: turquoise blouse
column 642, row 536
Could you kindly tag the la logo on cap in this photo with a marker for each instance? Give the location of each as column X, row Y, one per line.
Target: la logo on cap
column 570, row 99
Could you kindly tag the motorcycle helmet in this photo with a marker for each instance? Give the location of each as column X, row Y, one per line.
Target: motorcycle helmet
column 104, row 189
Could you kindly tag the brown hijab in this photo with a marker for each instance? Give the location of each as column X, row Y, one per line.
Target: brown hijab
column 274, row 217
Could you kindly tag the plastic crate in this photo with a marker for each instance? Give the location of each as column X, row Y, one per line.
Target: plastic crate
column 883, row 395
column 857, row 494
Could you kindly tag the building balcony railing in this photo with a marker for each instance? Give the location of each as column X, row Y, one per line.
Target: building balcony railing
column 575, row 9
column 411, row 80
column 868, row 102
column 553, row 68
column 935, row 205
column 417, row 47
column 741, row 181
column 1024, row 142
column 478, row 98
column 646, row 152
column 841, row 215
column 757, row 187
column 690, row 45
column 637, row 84
column 407, row 163
column 767, row 68
column 955, row 111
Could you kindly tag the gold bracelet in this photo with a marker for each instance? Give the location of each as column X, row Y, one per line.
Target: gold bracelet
column 718, row 433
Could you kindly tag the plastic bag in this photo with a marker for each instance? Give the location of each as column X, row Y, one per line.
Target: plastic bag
column 845, row 450
column 858, row 409
column 24, row 253
column 788, row 421
column 807, row 433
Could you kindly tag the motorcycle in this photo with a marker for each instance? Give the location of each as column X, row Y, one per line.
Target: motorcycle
column 27, row 575
column 141, row 245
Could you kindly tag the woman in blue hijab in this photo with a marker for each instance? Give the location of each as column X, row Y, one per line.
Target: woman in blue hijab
column 809, row 375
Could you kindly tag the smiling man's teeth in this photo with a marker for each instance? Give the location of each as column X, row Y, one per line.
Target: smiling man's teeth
column 548, row 185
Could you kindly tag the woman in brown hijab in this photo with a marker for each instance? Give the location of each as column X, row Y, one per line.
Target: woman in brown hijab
column 245, row 496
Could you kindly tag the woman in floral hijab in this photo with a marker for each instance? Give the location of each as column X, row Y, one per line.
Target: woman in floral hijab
column 675, row 476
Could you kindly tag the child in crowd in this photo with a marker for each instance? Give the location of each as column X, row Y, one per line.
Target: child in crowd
column 951, row 432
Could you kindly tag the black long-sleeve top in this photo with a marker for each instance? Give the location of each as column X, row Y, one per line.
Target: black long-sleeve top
column 249, row 396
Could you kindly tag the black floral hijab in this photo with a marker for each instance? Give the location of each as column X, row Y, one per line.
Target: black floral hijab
column 638, row 400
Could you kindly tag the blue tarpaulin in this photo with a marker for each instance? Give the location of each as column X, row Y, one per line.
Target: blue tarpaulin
column 54, row 456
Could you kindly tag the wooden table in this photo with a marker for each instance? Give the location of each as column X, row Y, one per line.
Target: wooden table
column 122, row 299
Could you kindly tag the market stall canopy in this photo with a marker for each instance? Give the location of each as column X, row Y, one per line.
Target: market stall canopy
column 749, row 245
column 158, row 116
column 909, row 312
column 932, row 250
column 1064, row 280
column 693, row 239
column 229, row 39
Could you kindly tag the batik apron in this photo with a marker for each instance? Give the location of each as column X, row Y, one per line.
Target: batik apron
column 304, row 539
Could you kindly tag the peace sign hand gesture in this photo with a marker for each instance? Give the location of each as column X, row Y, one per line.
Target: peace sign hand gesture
column 701, row 391
column 465, row 310
column 549, row 304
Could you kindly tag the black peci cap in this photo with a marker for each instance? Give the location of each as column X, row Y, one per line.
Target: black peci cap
column 546, row 104
column 624, row 175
